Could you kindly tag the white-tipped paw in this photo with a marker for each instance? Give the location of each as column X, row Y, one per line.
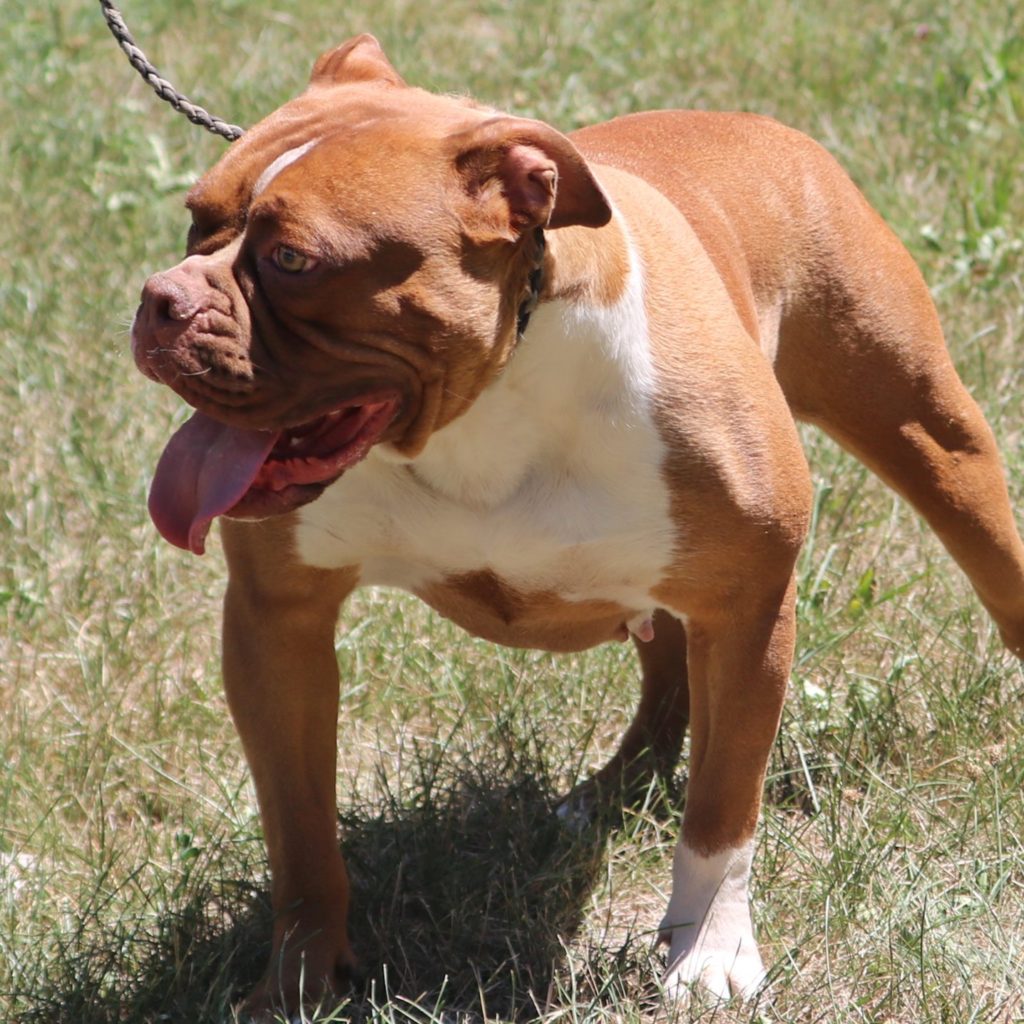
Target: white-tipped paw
column 718, row 965
column 707, row 926
column 578, row 811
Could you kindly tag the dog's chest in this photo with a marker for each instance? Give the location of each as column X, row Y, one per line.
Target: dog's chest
column 544, row 503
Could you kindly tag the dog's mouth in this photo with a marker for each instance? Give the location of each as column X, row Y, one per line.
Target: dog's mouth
column 210, row 469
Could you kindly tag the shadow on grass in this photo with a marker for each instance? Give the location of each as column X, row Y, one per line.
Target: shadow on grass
column 465, row 885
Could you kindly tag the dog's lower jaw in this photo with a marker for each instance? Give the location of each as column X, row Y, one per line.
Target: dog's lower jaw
column 707, row 926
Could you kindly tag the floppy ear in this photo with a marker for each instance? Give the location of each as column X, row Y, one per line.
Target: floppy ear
column 359, row 60
column 521, row 174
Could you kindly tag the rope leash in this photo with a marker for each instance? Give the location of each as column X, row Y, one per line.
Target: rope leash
column 163, row 88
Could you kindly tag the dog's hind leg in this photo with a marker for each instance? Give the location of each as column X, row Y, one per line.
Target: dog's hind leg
column 655, row 736
column 863, row 357
column 651, row 744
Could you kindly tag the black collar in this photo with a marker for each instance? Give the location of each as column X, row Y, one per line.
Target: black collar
column 536, row 282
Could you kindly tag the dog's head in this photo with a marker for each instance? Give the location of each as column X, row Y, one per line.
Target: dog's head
column 355, row 267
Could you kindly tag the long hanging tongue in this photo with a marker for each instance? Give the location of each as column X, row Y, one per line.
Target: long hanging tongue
column 204, row 470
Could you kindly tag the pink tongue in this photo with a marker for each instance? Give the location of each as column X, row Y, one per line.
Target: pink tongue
column 204, row 470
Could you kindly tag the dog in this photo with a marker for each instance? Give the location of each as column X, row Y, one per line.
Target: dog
column 549, row 384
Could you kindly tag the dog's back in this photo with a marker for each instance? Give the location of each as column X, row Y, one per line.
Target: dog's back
column 840, row 308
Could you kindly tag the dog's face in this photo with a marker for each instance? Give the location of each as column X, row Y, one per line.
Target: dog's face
column 355, row 266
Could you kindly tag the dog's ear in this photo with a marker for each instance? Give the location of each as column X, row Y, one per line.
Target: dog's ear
column 521, row 174
column 359, row 60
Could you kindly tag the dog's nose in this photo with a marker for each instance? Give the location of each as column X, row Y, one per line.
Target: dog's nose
column 166, row 299
column 167, row 308
column 185, row 328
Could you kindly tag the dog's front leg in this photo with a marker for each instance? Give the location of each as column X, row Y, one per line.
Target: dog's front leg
column 281, row 679
column 738, row 661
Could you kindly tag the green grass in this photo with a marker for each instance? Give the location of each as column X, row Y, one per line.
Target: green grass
column 890, row 869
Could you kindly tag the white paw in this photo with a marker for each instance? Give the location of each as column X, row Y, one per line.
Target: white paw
column 722, row 966
column 708, row 928
column 578, row 810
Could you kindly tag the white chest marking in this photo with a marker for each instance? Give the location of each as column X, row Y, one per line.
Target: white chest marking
column 552, row 480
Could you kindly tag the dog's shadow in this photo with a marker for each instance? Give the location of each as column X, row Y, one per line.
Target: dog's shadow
column 464, row 894
column 466, row 885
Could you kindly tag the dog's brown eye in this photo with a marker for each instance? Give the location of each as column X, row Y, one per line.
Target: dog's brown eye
column 291, row 261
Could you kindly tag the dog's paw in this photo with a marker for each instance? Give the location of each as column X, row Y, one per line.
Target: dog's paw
column 591, row 800
column 296, row 981
column 579, row 810
column 719, row 966
column 639, row 782
column 707, row 926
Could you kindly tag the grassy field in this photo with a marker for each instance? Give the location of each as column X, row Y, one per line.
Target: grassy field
column 889, row 877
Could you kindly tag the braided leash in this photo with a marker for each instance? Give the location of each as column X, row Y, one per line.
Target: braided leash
column 163, row 88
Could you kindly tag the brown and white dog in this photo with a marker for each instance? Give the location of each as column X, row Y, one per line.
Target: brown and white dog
column 379, row 402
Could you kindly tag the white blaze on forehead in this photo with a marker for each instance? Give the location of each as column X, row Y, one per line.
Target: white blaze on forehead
column 275, row 167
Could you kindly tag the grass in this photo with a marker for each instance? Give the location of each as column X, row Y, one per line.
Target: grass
column 890, row 871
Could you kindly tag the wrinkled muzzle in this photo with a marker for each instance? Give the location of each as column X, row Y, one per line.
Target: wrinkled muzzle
column 191, row 333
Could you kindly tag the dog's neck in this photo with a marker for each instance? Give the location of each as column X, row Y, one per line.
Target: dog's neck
column 587, row 265
column 535, row 284
column 589, row 328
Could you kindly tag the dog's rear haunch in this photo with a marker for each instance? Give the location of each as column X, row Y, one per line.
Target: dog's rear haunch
column 397, row 382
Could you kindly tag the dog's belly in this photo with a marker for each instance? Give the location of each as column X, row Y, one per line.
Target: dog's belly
column 486, row 606
column 557, row 565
